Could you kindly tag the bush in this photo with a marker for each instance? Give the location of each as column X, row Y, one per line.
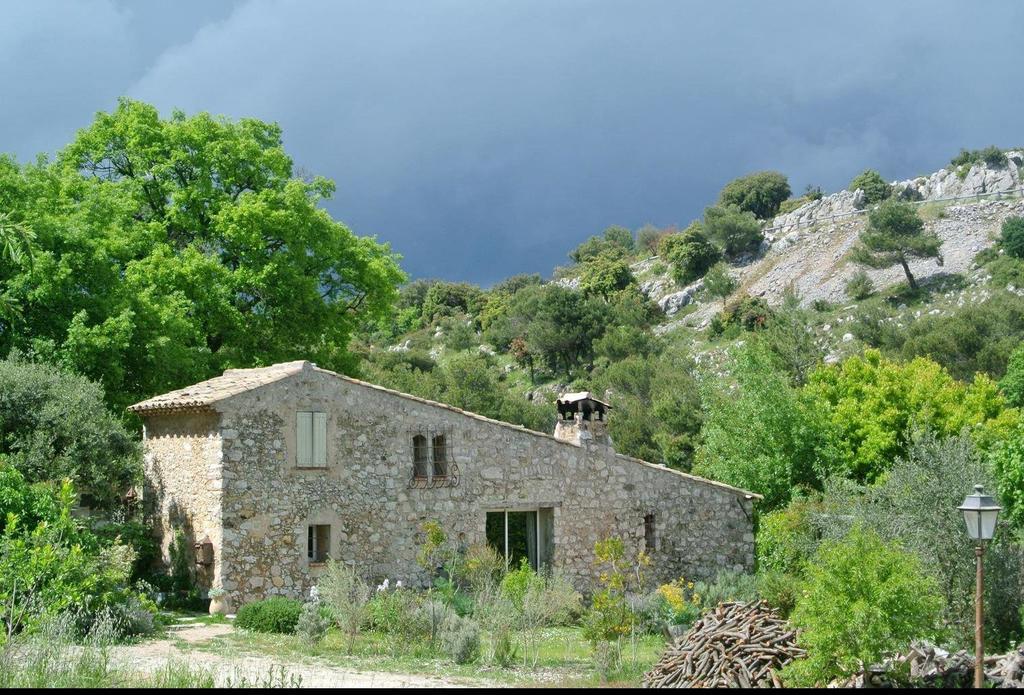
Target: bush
column 616, row 242
column 690, row 253
column 874, row 186
column 277, row 615
column 786, row 539
column 779, row 590
column 54, row 425
column 732, row 230
column 991, row 155
column 1007, row 459
column 679, row 602
column 1012, row 236
column 760, row 193
column 860, row 286
column 460, row 639
column 863, row 599
column 345, row 594
column 727, row 586
column 395, row 612
column 312, row 624
column 1012, row 383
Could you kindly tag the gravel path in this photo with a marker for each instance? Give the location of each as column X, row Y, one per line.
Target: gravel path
column 248, row 669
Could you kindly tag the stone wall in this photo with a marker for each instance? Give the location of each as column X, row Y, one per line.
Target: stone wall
column 364, row 492
column 182, row 469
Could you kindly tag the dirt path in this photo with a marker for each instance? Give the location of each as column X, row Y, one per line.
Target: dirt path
column 253, row 670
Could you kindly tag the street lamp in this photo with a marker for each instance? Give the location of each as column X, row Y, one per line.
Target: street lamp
column 980, row 513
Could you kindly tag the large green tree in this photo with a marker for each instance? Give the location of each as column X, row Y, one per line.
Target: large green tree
column 171, row 248
column 895, row 234
column 760, row 193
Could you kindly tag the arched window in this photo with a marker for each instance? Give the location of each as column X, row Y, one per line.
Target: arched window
column 440, row 456
column 420, row 456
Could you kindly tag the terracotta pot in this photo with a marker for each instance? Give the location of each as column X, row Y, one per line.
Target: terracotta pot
column 220, row 605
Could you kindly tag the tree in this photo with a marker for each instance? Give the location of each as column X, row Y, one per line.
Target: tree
column 1007, row 459
column 603, row 276
column 732, row 230
column 169, row 249
column 874, row 404
column 690, row 253
column 718, row 282
column 759, row 193
column 1012, row 383
column 648, row 238
column 874, row 186
column 1012, row 237
column 615, row 241
column 55, row 425
column 450, row 298
column 16, row 248
column 863, row 599
column 895, row 234
column 762, row 435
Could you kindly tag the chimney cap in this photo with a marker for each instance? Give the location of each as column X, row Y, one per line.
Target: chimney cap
column 569, row 398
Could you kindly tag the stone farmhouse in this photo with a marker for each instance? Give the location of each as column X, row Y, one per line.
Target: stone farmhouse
column 264, row 473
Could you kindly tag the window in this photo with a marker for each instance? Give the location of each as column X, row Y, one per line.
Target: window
column 318, row 542
column 311, row 440
column 650, row 537
column 517, row 535
column 420, row 456
column 440, row 452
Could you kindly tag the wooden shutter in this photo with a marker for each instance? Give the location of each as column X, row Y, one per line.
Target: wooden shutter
column 304, row 439
column 319, row 439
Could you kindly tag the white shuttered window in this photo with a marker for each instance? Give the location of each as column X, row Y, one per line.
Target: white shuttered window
column 311, row 439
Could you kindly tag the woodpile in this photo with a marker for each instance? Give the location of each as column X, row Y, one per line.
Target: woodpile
column 931, row 666
column 734, row 645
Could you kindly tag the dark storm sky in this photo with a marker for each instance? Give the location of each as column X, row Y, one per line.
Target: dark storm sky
column 484, row 138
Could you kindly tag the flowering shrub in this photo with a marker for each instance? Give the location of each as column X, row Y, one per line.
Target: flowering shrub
column 682, row 602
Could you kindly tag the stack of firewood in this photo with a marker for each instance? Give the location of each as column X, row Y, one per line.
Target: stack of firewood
column 734, row 645
column 931, row 666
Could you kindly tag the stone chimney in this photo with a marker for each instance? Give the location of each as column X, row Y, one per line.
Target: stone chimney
column 582, row 419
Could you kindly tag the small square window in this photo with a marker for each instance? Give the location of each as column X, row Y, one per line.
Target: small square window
column 318, row 542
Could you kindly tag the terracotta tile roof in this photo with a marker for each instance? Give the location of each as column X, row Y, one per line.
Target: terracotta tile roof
column 231, row 383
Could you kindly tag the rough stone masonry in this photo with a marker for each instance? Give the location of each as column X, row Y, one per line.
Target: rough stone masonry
column 232, row 469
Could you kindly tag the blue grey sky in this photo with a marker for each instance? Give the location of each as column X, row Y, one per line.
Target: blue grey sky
column 483, row 138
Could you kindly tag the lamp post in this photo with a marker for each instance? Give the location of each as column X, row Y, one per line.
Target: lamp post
column 980, row 513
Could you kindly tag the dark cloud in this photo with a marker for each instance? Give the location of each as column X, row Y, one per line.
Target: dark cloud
column 488, row 138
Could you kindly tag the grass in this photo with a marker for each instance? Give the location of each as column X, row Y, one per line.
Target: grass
column 563, row 657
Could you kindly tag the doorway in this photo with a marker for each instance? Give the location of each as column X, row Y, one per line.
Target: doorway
column 522, row 534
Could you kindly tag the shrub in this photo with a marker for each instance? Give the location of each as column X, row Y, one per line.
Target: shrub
column 786, row 539
column 1012, row 383
column 460, row 639
column 778, row 590
column 732, row 230
column 603, row 276
column 991, row 155
column 690, row 253
column 680, row 602
column 718, row 282
column 859, row 286
column 312, row 624
column 1012, row 236
column 759, row 193
column 874, row 186
column 728, row 585
column 396, row 612
column 749, row 313
column 1007, row 459
column 54, row 425
column 616, row 242
column 649, row 237
column 276, row 614
column 862, row 600
column 345, row 595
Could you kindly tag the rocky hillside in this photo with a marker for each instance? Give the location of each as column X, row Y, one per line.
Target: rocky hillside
column 808, row 249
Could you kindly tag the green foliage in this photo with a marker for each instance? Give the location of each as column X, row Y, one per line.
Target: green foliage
column 1012, row 236
column 732, row 230
column 759, row 193
column 1007, row 460
column 312, row 625
column 460, row 639
column 657, row 407
column 787, row 333
column 649, row 238
column 786, row 539
column 169, row 249
column 874, row 186
column 54, row 424
column 748, row 313
column 727, row 586
column 764, row 435
column 916, row 504
column 50, row 564
column 345, row 595
column 863, row 599
column 859, row 286
column 616, row 242
column 895, row 234
column 690, row 253
column 718, row 282
column 276, row 614
column 872, row 404
column 991, row 155
column 609, row 617
column 603, row 276
column 450, row 298
column 1012, row 383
